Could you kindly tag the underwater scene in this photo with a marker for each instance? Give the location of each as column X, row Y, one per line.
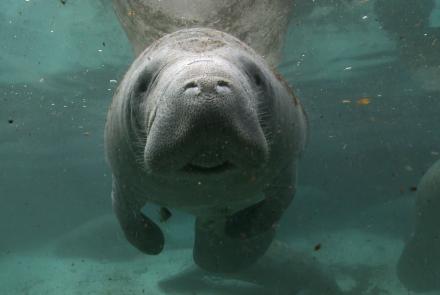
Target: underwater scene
column 213, row 147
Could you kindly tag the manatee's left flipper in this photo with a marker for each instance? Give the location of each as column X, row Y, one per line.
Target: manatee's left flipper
column 265, row 215
column 139, row 230
column 214, row 251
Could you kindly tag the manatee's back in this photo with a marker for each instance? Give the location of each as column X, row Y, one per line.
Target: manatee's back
column 261, row 24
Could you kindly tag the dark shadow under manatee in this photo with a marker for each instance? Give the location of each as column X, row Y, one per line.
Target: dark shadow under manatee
column 281, row 271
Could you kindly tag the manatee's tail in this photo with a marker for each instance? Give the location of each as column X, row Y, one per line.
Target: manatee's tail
column 217, row 252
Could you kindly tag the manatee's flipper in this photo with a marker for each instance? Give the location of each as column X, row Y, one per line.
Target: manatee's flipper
column 265, row 215
column 215, row 251
column 238, row 241
column 139, row 230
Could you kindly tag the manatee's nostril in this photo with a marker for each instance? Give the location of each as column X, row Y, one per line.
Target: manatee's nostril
column 222, row 87
column 207, row 85
column 191, row 85
column 222, row 83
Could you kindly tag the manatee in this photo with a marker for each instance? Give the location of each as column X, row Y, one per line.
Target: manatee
column 419, row 264
column 260, row 24
column 202, row 124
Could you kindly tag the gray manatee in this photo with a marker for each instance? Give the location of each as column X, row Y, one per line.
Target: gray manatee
column 419, row 265
column 261, row 24
column 202, row 124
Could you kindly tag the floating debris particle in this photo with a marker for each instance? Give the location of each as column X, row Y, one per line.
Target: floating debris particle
column 103, row 44
column 365, row 17
column 346, row 101
column 348, row 68
column 252, row 179
column 10, row 121
column 113, row 81
column 364, row 101
column 413, row 188
column 317, row 247
column 165, row 214
column 63, row 2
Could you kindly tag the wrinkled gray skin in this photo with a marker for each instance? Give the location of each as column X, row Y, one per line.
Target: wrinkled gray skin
column 202, row 124
column 261, row 24
column 419, row 265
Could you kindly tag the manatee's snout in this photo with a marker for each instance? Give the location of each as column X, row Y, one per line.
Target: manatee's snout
column 215, row 87
column 206, row 120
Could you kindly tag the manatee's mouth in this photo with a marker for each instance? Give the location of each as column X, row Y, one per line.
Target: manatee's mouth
column 208, row 169
column 209, row 162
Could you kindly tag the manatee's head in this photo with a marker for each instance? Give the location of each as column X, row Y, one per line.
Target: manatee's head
column 204, row 119
column 200, row 102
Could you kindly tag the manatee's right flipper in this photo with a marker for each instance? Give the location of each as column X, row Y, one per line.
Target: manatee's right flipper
column 236, row 242
column 265, row 215
column 215, row 251
column 139, row 230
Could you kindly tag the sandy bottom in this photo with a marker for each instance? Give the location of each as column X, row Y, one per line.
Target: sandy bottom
column 361, row 262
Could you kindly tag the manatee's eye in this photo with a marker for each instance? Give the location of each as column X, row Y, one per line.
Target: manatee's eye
column 143, row 86
column 146, row 79
column 143, row 83
column 257, row 79
column 253, row 71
